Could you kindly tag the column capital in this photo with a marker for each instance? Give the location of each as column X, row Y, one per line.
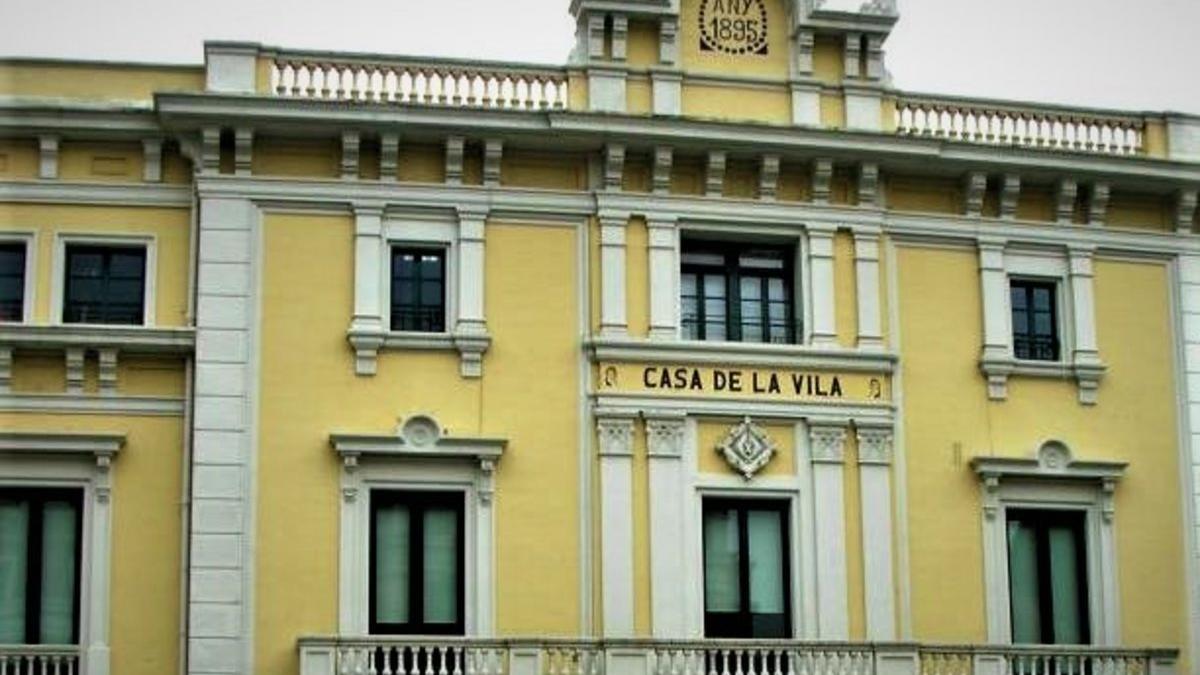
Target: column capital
column 828, row 442
column 664, row 434
column 874, row 444
column 615, row 435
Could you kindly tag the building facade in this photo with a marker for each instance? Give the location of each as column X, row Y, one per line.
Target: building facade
column 708, row 352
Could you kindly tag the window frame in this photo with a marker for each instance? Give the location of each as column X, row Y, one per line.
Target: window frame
column 1043, row 519
column 426, row 234
column 424, row 498
column 29, row 282
column 1057, row 297
column 59, row 280
column 443, row 250
column 797, row 322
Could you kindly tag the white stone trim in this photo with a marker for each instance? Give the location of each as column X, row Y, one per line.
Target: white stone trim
column 1051, row 480
column 58, row 279
column 407, row 461
column 875, row 497
column 714, row 179
column 613, row 322
column 866, row 269
column 53, row 459
column 87, row 404
column 230, row 67
column 48, row 157
column 1186, row 280
column 615, row 447
column 92, row 194
column 663, row 263
column 666, row 92
column 826, row 447
column 665, row 438
column 152, row 153
column 606, row 89
column 29, row 239
column 819, row 273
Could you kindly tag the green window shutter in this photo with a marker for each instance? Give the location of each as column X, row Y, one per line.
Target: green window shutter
column 721, row 590
column 1024, row 590
column 440, row 565
column 1065, row 585
column 766, row 562
column 14, row 537
column 391, row 564
column 58, row 572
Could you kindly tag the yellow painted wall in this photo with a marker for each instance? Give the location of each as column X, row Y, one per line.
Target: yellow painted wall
column 137, row 375
column 856, row 606
column 641, row 44
column 95, row 80
column 311, row 158
column 829, row 65
column 146, row 475
column 1140, row 211
column 949, row 419
column 732, row 103
column 845, row 289
column 18, row 158
column 169, row 227
column 937, row 195
column 642, row 611
column 637, row 278
column 91, row 161
column 557, row 171
column 532, row 315
column 1037, row 202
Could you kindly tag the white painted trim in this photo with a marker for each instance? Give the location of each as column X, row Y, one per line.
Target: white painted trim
column 663, row 263
column 615, row 447
column 826, row 447
column 613, row 319
column 140, row 339
column 90, row 404
column 633, row 350
column 58, row 279
column 53, row 459
column 91, row 194
column 29, row 295
column 866, row 268
column 822, row 302
column 875, row 498
column 665, row 436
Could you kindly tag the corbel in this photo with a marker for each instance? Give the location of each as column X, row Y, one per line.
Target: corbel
column 1185, row 210
column 1108, row 491
column 595, row 28
column 1064, row 210
column 614, row 166
column 152, row 160
column 1010, row 193
column 455, row 147
column 852, row 55
column 243, row 147
column 6, row 364
column 74, row 358
column 822, row 179
column 875, row 70
column 493, row 151
column 805, row 43
column 668, row 42
column 108, row 370
column 1098, row 204
column 47, row 157
column 389, row 156
column 714, row 178
column 485, row 485
column 974, row 188
column 351, row 143
column 768, row 177
column 991, row 496
column 210, row 150
column 620, row 35
column 868, row 185
column 663, row 158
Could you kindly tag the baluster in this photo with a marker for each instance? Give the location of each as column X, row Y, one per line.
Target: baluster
column 310, row 72
column 295, row 78
column 278, row 71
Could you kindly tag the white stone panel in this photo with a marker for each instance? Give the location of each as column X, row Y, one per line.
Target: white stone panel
column 217, row 517
column 220, row 379
column 220, row 413
column 217, row 550
column 213, row 620
column 216, row 585
column 216, row 311
column 217, row 482
column 225, row 246
column 224, row 278
column 222, row 346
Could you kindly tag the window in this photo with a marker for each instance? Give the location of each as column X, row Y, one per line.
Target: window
column 1034, row 320
column 746, row 569
column 417, row 567
column 105, row 284
column 12, row 281
column 40, row 539
column 419, row 289
column 737, row 293
column 1048, row 591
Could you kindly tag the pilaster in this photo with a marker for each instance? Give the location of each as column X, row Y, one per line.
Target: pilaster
column 663, row 262
column 1086, row 357
column 875, row 495
column 470, row 327
column 866, row 268
column 615, row 444
column 613, row 321
column 820, row 261
column 997, row 337
column 827, row 447
column 664, row 446
column 367, row 326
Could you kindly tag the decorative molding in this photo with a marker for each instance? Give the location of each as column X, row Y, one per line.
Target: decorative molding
column 874, row 445
column 869, row 194
column 668, row 43
column 805, row 42
column 107, row 369
column 620, row 35
column 821, row 180
column 1051, row 460
column 768, row 177
column 210, row 151
column 96, row 194
column 90, row 404
column 152, row 150
column 664, row 435
column 747, row 448
column 350, row 155
column 418, row 437
column 471, row 336
column 616, row 436
column 1010, row 194
column 614, row 167
column 455, row 147
column 714, row 175
column 74, row 369
column 875, row 66
column 389, row 156
column 822, row 298
column 243, row 148
column 1098, row 204
column 975, row 187
column 101, row 447
column 132, row 339
column 663, row 272
column 1064, row 205
column 48, row 157
column 852, row 55
column 613, row 321
column 1185, row 209
column 493, row 152
column 596, row 36
column 663, row 158
column 828, row 443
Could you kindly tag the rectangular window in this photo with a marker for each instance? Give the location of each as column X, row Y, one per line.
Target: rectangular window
column 1047, row 577
column 1034, row 320
column 105, row 284
column 12, row 281
column 40, row 539
column 419, row 289
column 737, row 293
column 417, row 566
column 746, row 569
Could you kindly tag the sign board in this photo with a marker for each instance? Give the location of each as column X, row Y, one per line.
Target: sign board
column 764, row 384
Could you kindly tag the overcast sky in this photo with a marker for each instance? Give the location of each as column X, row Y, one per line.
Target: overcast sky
column 1130, row 54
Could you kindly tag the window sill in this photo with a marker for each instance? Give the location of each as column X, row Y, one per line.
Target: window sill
column 1087, row 372
column 367, row 344
column 740, row 354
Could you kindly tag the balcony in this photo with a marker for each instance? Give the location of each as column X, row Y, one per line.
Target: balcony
column 39, row 660
column 519, row 656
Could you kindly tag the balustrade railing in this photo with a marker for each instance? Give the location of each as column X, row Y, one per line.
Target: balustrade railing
column 1015, row 124
column 39, row 660
column 432, row 82
column 470, row 656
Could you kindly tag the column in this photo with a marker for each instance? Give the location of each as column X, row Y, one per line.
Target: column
column 615, row 434
column 827, row 442
column 612, row 276
column 866, row 269
column 997, row 338
column 820, row 264
column 470, row 326
column 664, row 277
column 875, row 488
column 1086, row 356
column 664, row 446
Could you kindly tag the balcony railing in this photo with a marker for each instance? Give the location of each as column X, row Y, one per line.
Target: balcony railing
column 470, row 656
column 427, row 81
column 1017, row 124
column 39, row 660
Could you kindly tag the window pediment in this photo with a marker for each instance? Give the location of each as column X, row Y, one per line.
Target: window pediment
column 419, row 437
column 1052, row 460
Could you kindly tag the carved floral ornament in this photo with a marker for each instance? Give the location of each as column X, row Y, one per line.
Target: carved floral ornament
column 747, row 448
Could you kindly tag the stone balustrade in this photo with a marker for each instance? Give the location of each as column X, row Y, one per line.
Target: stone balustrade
column 470, row 656
column 1016, row 124
column 430, row 82
column 39, row 660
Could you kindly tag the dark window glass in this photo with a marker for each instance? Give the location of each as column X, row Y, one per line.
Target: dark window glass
column 105, row 284
column 40, row 533
column 746, row 569
column 737, row 293
column 1047, row 577
column 417, row 565
column 419, row 289
column 1034, row 320
column 12, row 281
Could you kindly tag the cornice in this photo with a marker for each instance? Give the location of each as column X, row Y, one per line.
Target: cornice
column 126, row 338
column 102, row 446
column 109, row 194
column 742, row 354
